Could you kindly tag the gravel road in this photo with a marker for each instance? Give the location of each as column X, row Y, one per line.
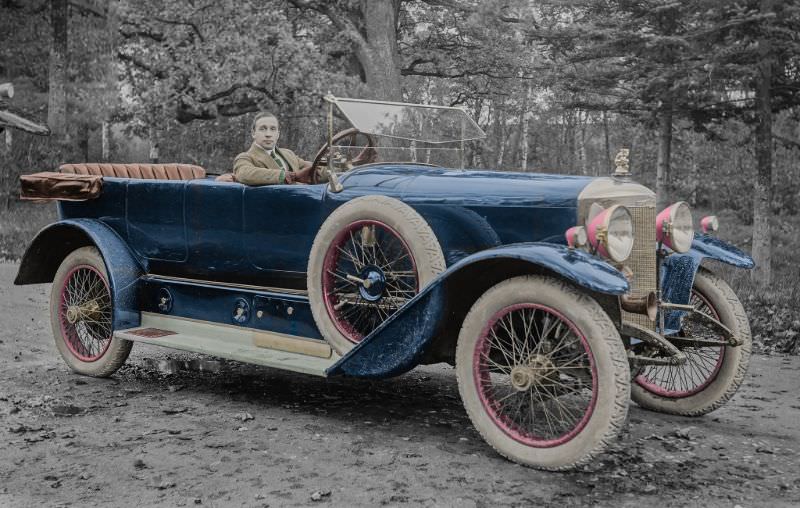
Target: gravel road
column 173, row 429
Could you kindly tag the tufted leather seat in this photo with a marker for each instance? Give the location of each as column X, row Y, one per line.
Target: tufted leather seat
column 142, row 171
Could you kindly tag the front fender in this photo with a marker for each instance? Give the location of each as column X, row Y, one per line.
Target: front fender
column 678, row 271
column 53, row 243
column 401, row 341
column 705, row 246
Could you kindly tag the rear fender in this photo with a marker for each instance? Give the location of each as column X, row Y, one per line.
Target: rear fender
column 403, row 340
column 54, row 243
column 678, row 272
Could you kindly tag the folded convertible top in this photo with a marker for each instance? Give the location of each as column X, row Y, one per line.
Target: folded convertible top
column 49, row 186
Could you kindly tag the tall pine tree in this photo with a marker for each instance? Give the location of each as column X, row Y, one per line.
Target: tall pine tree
column 751, row 51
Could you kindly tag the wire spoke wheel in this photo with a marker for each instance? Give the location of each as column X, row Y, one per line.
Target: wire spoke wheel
column 84, row 313
column 712, row 373
column 369, row 273
column 702, row 363
column 542, row 372
column 535, row 375
column 371, row 256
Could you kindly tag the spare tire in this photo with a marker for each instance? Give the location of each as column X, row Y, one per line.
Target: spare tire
column 370, row 257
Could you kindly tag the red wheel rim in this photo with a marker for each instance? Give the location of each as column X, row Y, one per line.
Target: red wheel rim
column 84, row 313
column 368, row 273
column 535, row 375
column 701, row 367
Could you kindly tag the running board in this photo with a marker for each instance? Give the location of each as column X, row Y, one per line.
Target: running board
column 270, row 349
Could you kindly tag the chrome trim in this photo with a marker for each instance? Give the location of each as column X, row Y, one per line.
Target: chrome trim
column 613, row 191
column 170, row 278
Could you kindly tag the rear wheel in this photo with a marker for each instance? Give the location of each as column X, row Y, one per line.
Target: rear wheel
column 542, row 372
column 711, row 375
column 81, row 315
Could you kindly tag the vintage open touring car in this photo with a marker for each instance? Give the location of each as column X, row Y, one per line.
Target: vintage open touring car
column 557, row 298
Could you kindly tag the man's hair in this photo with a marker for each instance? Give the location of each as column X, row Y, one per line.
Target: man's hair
column 263, row 114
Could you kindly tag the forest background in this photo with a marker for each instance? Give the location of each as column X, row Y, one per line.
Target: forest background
column 705, row 93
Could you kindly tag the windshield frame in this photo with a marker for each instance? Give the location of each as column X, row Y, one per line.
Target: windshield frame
column 476, row 132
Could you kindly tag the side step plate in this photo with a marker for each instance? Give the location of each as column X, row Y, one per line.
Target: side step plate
column 280, row 351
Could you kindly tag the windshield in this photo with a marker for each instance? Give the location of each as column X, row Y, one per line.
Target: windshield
column 413, row 122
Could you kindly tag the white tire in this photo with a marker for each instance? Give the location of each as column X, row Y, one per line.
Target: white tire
column 370, row 256
column 542, row 372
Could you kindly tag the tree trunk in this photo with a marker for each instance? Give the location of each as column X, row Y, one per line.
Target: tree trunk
column 762, row 233
column 606, row 166
column 57, row 98
column 83, row 140
column 501, row 136
column 151, row 135
column 8, row 139
column 513, row 145
column 694, row 172
column 110, row 82
column 583, row 120
column 526, row 118
column 664, row 153
column 569, row 140
column 380, row 57
column 105, row 135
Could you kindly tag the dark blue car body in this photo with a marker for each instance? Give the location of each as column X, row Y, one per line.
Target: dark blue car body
column 216, row 246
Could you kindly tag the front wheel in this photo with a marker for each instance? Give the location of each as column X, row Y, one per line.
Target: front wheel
column 81, row 314
column 542, row 372
column 711, row 375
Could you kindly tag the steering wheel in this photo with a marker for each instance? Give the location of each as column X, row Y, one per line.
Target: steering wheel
column 366, row 156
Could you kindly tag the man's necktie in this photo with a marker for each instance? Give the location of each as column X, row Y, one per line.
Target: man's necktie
column 278, row 160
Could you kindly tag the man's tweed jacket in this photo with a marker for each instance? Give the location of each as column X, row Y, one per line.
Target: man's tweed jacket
column 257, row 167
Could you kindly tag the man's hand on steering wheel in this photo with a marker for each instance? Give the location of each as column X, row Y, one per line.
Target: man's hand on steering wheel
column 302, row 175
column 365, row 156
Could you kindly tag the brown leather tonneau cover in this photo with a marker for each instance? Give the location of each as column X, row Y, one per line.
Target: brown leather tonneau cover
column 49, row 185
column 139, row 171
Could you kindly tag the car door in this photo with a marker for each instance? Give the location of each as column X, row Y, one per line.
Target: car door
column 213, row 215
column 280, row 223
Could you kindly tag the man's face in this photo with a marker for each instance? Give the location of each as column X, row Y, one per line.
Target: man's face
column 267, row 132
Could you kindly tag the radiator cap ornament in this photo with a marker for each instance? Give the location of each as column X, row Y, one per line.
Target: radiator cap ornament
column 622, row 163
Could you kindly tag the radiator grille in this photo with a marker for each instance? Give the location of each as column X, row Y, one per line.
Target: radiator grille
column 642, row 260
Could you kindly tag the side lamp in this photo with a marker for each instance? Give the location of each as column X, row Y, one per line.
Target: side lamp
column 576, row 237
column 709, row 224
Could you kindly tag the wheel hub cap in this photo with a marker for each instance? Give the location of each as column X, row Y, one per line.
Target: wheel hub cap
column 539, row 370
column 373, row 291
column 90, row 310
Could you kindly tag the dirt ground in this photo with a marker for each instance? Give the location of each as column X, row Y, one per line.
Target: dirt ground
column 196, row 431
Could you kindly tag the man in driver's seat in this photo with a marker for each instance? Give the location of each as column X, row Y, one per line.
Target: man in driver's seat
column 266, row 164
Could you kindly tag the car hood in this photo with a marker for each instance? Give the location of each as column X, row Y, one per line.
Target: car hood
column 412, row 183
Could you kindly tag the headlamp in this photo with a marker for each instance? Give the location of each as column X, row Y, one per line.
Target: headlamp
column 610, row 232
column 674, row 227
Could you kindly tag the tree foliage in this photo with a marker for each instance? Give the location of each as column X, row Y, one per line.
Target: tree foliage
column 557, row 85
